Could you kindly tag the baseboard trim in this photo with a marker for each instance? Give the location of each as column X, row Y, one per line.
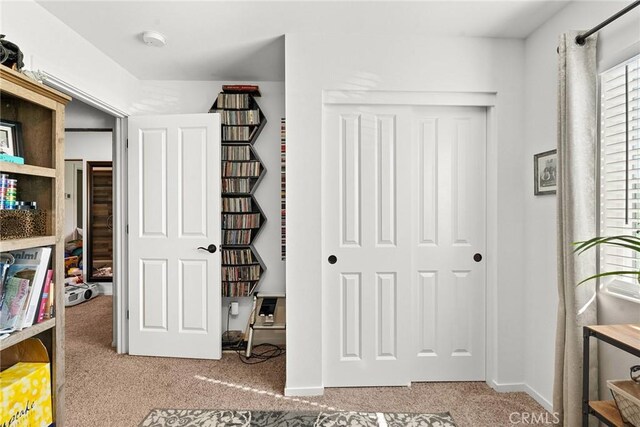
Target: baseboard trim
column 303, row 391
column 507, row 387
column 513, row 387
column 538, row 398
column 106, row 288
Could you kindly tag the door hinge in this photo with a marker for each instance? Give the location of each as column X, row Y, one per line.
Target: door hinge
column 127, row 145
column 127, row 228
column 127, row 314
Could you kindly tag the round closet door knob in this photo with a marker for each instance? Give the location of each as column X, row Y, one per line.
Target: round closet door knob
column 477, row 257
column 333, row 259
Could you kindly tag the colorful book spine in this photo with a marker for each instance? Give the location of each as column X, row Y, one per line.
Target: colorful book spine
column 45, row 297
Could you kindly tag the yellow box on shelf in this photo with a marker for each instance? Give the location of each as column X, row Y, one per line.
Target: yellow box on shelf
column 25, row 392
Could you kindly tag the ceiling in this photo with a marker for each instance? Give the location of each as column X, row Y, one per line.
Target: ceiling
column 243, row 40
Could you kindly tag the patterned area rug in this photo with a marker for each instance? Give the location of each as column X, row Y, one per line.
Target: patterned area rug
column 210, row 418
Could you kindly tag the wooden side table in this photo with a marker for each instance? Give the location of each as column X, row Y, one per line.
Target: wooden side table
column 624, row 337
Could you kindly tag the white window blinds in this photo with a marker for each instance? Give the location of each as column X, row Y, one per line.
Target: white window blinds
column 620, row 170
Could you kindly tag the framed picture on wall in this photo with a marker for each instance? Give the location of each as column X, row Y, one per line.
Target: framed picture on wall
column 11, row 138
column 545, row 167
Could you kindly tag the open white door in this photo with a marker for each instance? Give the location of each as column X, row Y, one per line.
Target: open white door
column 174, row 209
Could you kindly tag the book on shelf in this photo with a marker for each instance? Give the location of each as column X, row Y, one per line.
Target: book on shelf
column 50, row 312
column 29, row 269
column 11, row 159
column 253, row 89
column 45, row 297
column 14, row 303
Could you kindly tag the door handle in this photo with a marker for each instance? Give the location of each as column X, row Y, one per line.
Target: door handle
column 477, row 257
column 332, row 259
column 211, row 248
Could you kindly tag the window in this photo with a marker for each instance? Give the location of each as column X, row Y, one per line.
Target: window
column 620, row 173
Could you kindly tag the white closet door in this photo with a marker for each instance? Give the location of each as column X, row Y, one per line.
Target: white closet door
column 449, row 216
column 174, row 208
column 404, row 215
column 367, row 290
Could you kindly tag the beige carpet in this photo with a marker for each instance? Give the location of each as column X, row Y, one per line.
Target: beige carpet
column 107, row 389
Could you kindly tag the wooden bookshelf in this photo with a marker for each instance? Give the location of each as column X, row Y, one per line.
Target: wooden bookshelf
column 29, row 332
column 624, row 337
column 40, row 111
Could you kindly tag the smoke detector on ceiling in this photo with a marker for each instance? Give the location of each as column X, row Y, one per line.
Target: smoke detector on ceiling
column 154, row 38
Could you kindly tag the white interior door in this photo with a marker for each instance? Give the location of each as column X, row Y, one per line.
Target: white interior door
column 367, row 290
column 404, row 215
column 174, row 208
column 449, row 216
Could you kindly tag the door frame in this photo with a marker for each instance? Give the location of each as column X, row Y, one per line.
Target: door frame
column 119, row 159
column 487, row 100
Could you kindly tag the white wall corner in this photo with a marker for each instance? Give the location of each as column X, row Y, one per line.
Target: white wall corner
column 521, row 387
column 539, row 398
column 304, row 391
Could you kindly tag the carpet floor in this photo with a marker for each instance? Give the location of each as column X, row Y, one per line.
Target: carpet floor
column 108, row 389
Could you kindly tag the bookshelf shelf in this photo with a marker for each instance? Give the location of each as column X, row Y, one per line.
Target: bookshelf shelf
column 31, row 242
column 242, row 171
column 29, row 332
column 39, row 110
column 13, row 168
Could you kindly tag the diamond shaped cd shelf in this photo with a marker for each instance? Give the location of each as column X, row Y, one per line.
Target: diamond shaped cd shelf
column 242, row 271
column 237, row 175
column 242, row 219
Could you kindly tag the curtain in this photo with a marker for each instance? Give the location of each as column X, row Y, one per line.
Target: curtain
column 576, row 197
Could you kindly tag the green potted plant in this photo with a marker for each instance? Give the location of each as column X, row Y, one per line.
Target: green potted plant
column 622, row 241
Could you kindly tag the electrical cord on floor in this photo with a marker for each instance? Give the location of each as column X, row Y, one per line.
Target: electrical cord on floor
column 272, row 351
column 257, row 356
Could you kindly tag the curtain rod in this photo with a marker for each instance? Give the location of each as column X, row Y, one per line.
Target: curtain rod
column 582, row 37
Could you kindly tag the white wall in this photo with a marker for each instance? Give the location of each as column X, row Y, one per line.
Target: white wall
column 50, row 45
column 78, row 115
column 388, row 62
column 617, row 42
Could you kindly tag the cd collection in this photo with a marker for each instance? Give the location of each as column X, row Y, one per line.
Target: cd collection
column 236, row 237
column 240, row 221
column 236, row 133
column 237, row 289
column 242, row 273
column 239, row 117
column 233, row 101
column 236, row 204
column 250, row 168
column 236, row 152
column 237, row 256
column 236, row 185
